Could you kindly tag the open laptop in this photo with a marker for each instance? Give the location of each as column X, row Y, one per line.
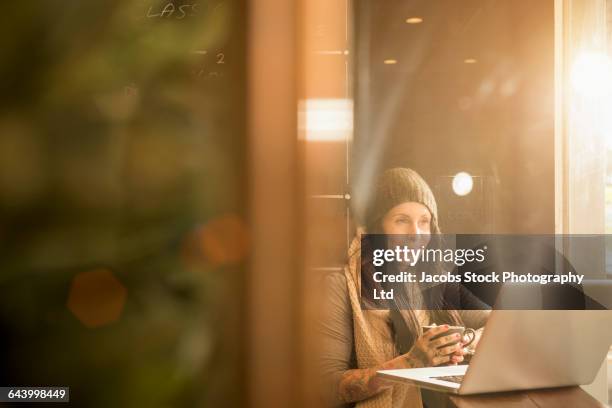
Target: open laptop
column 524, row 349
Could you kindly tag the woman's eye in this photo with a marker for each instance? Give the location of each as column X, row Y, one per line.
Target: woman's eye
column 401, row 220
column 424, row 222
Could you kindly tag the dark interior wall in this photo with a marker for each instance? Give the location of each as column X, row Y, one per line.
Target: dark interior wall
column 435, row 113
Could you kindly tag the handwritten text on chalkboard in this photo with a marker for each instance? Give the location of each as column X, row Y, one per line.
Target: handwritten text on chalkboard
column 170, row 10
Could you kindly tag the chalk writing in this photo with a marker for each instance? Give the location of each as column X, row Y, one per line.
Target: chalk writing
column 170, row 10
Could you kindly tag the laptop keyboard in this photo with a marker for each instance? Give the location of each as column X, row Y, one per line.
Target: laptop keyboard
column 451, row 378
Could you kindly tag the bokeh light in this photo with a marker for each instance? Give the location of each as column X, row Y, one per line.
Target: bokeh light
column 462, row 183
column 224, row 240
column 96, row 298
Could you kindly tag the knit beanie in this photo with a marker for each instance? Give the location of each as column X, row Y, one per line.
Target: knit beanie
column 396, row 186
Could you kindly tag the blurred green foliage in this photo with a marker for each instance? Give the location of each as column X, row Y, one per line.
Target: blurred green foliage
column 121, row 134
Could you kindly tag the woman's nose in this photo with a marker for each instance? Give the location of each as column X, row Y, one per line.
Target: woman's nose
column 413, row 229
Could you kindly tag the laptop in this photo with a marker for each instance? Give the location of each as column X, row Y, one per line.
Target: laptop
column 522, row 350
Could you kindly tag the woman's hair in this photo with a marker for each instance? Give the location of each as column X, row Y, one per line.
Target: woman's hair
column 396, row 186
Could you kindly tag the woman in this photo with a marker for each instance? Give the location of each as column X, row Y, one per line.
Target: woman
column 359, row 342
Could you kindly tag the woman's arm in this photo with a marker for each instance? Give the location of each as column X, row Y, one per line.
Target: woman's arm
column 359, row 384
column 476, row 319
column 344, row 384
column 337, row 355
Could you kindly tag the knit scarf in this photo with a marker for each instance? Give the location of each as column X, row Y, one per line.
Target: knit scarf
column 374, row 343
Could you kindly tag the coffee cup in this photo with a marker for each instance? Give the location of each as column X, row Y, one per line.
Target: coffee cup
column 467, row 335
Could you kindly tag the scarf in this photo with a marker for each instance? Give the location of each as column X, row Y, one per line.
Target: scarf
column 374, row 341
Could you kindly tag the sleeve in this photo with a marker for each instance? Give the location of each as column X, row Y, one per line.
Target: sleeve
column 474, row 312
column 458, row 297
column 469, row 301
column 336, row 333
column 475, row 319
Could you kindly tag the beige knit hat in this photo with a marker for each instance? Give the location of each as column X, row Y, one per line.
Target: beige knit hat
column 395, row 186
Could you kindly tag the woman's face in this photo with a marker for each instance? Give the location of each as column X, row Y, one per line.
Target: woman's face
column 410, row 218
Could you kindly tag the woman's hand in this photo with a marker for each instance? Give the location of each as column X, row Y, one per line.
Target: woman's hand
column 359, row 384
column 436, row 352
